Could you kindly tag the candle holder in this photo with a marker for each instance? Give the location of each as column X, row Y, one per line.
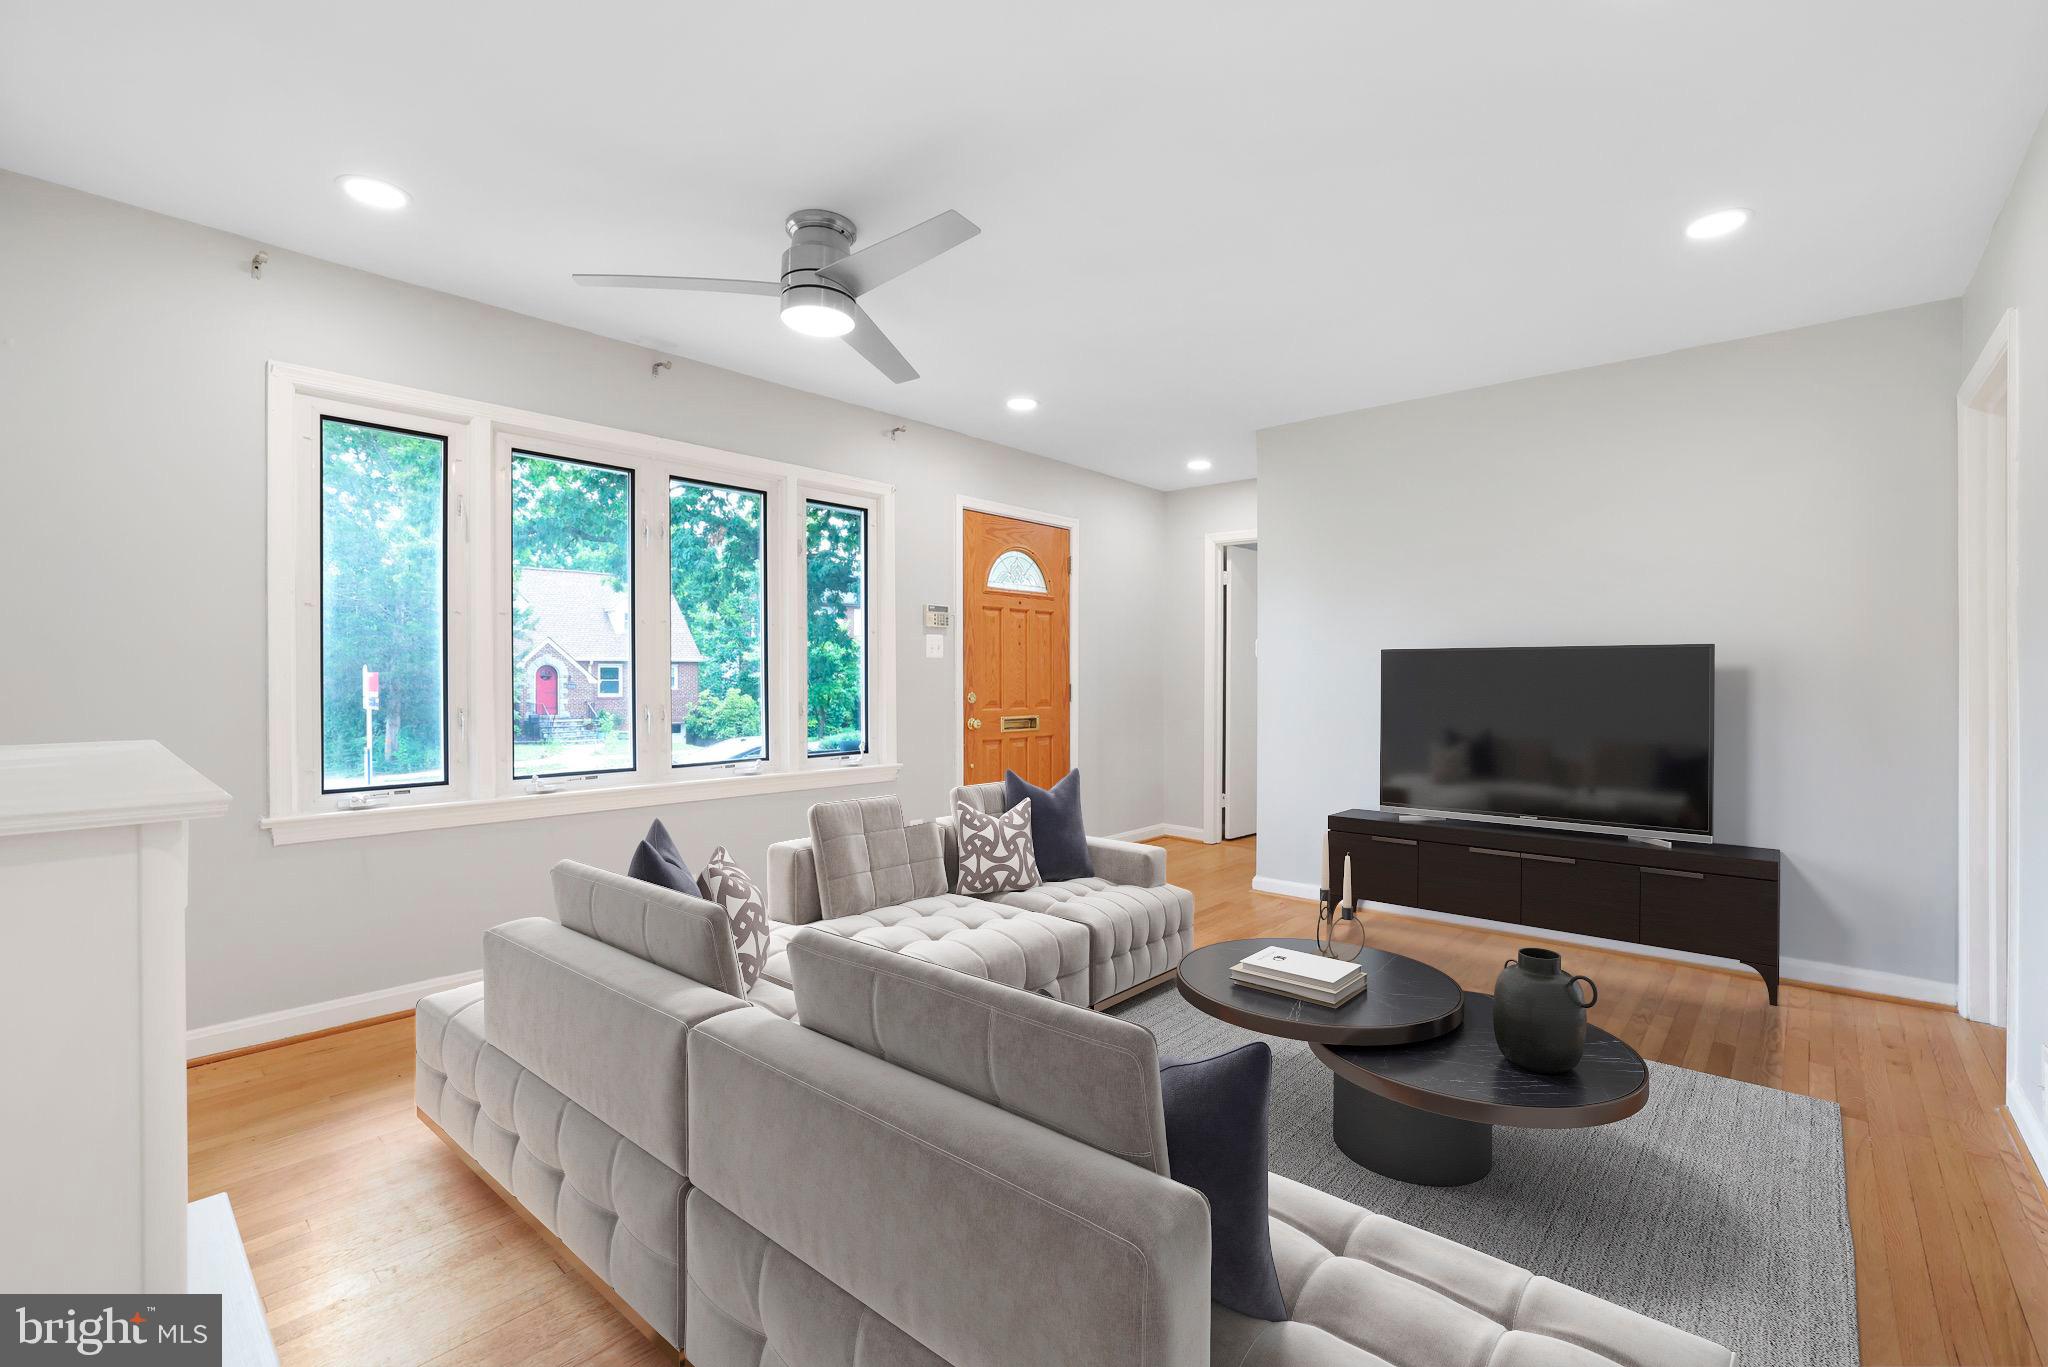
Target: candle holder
column 1339, row 932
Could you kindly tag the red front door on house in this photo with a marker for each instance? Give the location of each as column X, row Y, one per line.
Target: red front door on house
column 544, row 696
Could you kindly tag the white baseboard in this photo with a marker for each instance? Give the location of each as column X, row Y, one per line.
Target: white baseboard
column 2027, row 1121
column 1875, row 980
column 1801, row 970
column 1157, row 829
column 304, row 1020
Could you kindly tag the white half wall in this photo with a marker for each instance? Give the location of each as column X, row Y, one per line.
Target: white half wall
column 1191, row 514
column 132, row 353
column 2014, row 275
column 1789, row 498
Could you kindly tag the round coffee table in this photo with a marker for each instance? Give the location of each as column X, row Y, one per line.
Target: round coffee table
column 1405, row 1001
column 1425, row 1112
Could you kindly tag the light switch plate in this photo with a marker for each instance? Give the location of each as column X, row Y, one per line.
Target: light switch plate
column 934, row 647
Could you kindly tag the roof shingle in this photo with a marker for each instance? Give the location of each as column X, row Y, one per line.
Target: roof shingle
column 581, row 612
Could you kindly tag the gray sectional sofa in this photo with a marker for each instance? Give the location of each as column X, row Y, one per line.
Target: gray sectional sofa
column 923, row 1167
column 887, row 882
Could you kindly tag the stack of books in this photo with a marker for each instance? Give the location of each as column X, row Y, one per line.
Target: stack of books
column 1305, row 977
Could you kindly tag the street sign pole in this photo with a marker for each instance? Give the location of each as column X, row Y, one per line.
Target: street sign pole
column 369, row 722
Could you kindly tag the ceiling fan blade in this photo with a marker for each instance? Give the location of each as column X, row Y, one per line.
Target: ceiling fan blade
column 881, row 353
column 889, row 258
column 681, row 282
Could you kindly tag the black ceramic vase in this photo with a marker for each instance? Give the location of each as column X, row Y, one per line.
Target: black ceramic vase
column 1538, row 1019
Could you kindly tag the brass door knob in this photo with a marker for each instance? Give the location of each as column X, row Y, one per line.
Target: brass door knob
column 974, row 723
column 971, row 698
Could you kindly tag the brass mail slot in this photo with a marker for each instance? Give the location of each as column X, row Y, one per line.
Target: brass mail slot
column 1020, row 723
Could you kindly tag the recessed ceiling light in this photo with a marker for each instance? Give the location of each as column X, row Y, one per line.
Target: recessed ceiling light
column 1199, row 463
column 1021, row 403
column 378, row 194
column 1719, row 223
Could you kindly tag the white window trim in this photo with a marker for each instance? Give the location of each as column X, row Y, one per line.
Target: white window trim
column 602, row 665
column 480, row 788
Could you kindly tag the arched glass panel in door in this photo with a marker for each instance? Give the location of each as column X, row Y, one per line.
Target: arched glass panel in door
column 1016, row 572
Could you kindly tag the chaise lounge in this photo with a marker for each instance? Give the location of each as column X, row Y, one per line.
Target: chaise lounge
column 868, row 875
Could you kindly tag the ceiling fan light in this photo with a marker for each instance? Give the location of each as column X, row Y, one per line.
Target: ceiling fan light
column 817, row 312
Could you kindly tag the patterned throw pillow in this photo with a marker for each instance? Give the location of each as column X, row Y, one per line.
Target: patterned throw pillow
column 995, row 851
column 726, row 886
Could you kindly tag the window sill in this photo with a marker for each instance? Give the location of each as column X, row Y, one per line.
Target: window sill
column 435, row 816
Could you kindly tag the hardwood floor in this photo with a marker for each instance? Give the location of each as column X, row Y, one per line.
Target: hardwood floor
column 372, row 1244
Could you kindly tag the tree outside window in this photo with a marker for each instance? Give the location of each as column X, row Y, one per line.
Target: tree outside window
column 836, row 592
column 716, row 553
column 382, row 535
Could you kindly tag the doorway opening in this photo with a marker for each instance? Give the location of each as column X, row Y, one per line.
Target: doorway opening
column 1230, row 704
column 1987, row 466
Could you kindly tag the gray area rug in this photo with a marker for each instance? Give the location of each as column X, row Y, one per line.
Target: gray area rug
column 1721, row 1207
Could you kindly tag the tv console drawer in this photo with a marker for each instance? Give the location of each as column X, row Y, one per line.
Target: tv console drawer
column 1580, row 896
column 1710, row 913
column 1471, row 880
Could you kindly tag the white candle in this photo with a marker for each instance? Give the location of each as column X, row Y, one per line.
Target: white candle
column 1347, row 882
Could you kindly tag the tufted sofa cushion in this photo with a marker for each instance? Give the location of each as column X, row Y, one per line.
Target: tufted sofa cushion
column 616, row 1206
column 1011, row 945
column 1366, row 1291
column 868, row 856
column 1134, row 933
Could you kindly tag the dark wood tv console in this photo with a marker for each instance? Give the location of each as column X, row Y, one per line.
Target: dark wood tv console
column 1707, row 899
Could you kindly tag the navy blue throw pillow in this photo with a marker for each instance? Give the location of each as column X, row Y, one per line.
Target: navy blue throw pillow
column 1216, row 1143
column 1058, row 839
column 657, row 861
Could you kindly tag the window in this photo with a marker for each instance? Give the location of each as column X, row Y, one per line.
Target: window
column 572, row 594
column 717, row 539
column 383, row 624
column 480, row 614
column 1017, row 572
column 836, row 553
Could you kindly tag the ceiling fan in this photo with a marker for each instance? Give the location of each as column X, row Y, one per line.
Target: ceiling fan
column 822, row 277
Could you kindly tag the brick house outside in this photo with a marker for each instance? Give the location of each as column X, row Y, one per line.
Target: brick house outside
column 573, row 647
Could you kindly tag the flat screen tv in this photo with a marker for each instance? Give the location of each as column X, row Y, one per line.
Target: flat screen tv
column 1604, row 738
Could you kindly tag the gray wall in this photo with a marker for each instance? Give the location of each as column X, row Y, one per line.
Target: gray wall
column 1790, row 498
column 1191, row 514
column 132, row 351
column 2014, row 274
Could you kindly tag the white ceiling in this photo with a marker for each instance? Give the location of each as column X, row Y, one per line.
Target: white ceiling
column 1199, row 219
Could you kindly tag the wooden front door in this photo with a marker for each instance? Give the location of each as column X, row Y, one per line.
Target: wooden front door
column 1014, row 639
column 545, row 695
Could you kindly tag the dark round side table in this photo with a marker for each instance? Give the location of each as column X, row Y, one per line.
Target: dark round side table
column 1425, row 1112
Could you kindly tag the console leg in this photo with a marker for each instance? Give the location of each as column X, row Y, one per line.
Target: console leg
column 1406, row 1144
column 1769, row 973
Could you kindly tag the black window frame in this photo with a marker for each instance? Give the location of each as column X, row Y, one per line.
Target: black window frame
column 632, row 587
column 867, row 716
column 767, row 636
column 320, row 565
